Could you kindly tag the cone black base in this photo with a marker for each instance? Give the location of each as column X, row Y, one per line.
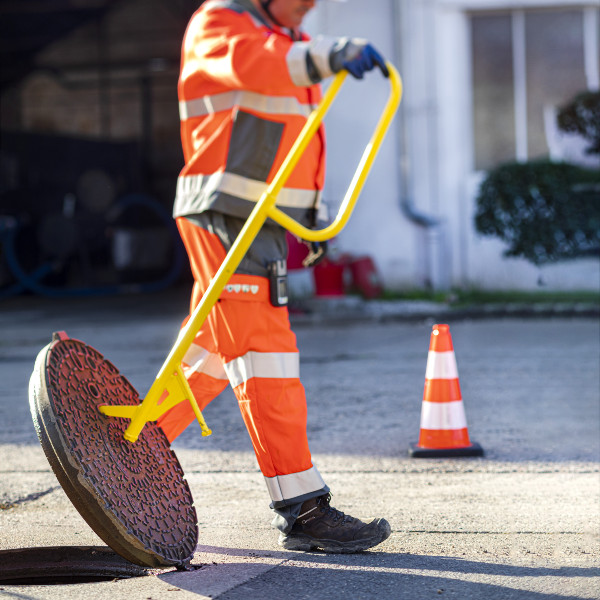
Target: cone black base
column 417, row 451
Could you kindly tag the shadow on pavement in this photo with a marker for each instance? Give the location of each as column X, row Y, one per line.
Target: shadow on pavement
column 377, row 575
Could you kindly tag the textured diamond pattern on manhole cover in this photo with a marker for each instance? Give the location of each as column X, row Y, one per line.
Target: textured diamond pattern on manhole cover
column 140, row 485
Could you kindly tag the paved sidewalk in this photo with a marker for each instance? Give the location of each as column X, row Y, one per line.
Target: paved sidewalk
column 522, row 522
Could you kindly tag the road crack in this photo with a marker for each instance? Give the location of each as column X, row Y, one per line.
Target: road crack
column 29, row 498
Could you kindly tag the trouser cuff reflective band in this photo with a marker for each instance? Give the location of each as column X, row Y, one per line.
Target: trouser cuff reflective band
column 286, row 488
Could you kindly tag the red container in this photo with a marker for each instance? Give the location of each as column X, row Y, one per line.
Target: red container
column 329, row 278
column 365, row 278
column 297, row 252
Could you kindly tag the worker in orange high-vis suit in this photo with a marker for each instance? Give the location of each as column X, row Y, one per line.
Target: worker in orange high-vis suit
column 249, row 79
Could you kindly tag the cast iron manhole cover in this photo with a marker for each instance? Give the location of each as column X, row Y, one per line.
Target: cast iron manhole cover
column 133, row 495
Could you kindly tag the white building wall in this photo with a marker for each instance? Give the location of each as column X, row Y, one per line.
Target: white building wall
column 377, row 227
column 479, row 261
column 427, row 158
column 454, row 137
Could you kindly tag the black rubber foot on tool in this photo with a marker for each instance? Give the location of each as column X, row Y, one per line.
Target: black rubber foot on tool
column 418, row 452
column 133, row 495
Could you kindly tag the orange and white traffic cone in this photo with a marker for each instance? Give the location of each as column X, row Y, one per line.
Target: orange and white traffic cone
column 443, row 422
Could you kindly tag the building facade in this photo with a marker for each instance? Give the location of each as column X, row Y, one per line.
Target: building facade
column 481, row 81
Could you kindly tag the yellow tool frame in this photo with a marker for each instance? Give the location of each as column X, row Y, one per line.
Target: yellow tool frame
column 170, row 384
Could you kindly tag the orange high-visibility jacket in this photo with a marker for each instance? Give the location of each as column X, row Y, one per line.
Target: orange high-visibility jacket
column 245, row 92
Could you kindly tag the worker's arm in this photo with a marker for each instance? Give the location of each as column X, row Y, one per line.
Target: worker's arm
column 229, row 49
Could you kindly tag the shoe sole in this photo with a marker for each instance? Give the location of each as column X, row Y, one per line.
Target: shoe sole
column 305, row 543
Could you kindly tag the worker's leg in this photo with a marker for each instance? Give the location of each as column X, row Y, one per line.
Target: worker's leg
column 206, row 377
column 261, row 359
column 259, row 352
column 201, row 364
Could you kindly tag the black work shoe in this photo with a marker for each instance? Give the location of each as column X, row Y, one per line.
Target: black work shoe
column 322, row 527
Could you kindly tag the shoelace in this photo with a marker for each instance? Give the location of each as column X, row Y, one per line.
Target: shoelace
column 324, row 506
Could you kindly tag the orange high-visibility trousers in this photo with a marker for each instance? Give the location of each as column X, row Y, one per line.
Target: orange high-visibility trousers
column 248, row 343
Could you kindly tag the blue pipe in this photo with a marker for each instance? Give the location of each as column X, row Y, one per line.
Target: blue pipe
column 33, row 281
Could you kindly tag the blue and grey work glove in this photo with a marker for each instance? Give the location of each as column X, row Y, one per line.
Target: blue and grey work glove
column 318, row 251
column 357, row 56
column 314, row 60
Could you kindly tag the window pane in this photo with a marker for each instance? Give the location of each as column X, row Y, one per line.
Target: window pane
column 493, row 102
column 555, row 68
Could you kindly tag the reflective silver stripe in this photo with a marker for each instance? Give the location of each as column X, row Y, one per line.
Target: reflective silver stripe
column 286, row 487
column 243, row 187
column 199, row 360
column 320, row 50
column 443, row 415
column 273, row 105
column 296, row 62
column 441, row 365
column 274, row 365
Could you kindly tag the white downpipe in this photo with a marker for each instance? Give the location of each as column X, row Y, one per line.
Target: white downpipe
column 430, row 225
column 591, row 26
column 520, row 84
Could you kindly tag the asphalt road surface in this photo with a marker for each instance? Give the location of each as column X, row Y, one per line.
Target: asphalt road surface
column 520, row 523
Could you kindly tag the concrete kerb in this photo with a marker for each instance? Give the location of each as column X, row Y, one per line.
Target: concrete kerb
column 317, row 310
column 353, row 308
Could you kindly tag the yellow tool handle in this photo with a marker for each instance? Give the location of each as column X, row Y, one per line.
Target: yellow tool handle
column 359, row 178
column 265, row 208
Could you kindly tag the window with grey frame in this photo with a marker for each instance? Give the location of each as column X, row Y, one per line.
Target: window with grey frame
column 524, row 63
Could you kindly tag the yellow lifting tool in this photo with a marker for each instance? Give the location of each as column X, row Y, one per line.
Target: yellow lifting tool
column 170, row 386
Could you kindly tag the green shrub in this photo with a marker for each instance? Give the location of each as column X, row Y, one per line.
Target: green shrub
column 544, row 211
column 582, row 116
